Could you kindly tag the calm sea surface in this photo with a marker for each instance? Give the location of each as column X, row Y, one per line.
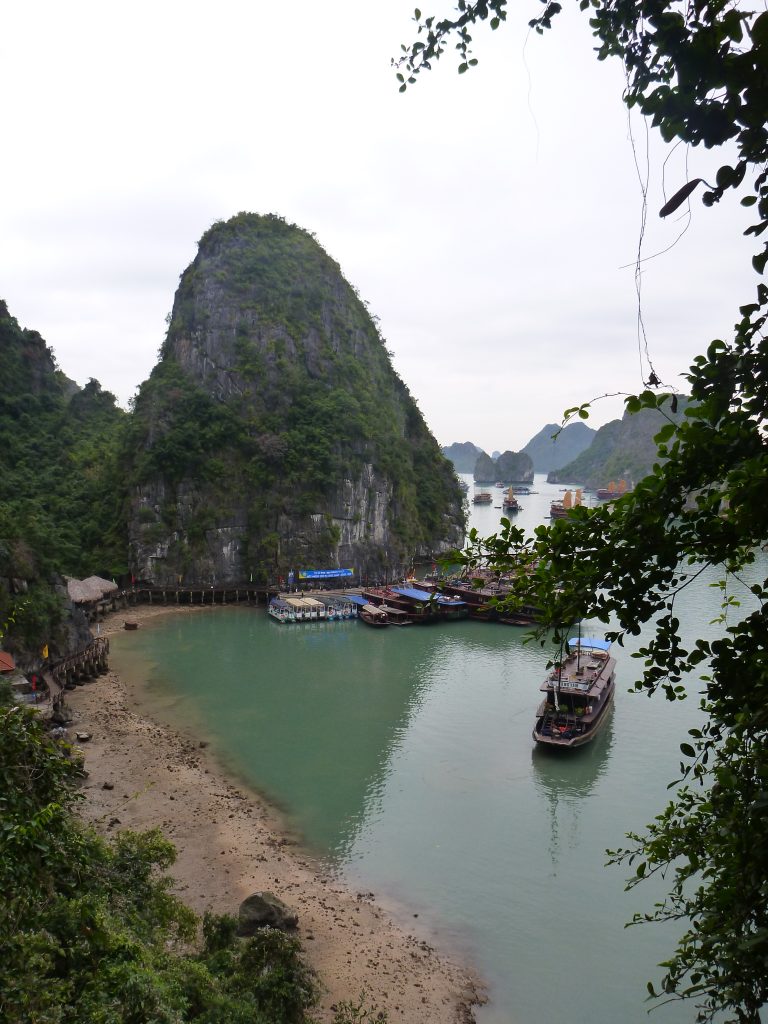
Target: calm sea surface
column 405, row 759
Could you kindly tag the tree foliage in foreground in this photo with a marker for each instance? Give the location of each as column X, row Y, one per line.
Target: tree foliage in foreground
column 699, row 71
column 90, row 932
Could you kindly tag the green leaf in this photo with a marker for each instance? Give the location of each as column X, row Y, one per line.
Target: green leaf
column 679, row 197
column 665, row 433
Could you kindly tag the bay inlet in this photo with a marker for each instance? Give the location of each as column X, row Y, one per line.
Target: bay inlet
column 404, row 759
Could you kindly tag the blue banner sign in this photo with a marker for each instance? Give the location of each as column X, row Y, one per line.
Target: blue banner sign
column 323, row 574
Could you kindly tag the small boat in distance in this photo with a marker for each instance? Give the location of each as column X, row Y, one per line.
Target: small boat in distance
column 613, row 490
column 510, row 503
column 560, row 509
column 579, row 692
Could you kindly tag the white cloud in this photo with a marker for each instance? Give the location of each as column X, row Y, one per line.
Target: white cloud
column 485, row 218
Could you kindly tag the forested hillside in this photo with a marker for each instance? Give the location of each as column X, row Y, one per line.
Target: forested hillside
column 61, row 508
column 274, row 432
column 622, row 449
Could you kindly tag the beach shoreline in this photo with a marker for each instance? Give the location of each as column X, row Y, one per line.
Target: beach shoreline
column 143, row 774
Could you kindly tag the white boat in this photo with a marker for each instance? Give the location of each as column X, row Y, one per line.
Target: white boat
column 317, row 609
column 281, row 611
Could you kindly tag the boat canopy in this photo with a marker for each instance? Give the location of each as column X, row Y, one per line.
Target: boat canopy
column 425, row 595
column 373, row 610
column 590, row 641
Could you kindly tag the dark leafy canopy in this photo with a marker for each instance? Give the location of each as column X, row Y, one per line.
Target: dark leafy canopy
column 699, row 71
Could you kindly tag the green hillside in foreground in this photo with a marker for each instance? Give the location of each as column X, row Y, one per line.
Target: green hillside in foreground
column 61, row 503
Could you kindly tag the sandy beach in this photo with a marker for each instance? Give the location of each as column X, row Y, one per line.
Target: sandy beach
column 231, row 843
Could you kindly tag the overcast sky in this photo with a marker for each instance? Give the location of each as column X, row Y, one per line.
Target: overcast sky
column 487, row 218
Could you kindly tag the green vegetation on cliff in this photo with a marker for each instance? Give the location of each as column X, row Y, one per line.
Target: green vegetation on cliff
column 622, row 449
column 509, row 467
column 274, row 388
column 61, row 502
column 59, row 445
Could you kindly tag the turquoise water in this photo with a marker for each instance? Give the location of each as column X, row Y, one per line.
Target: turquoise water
column 405, row 758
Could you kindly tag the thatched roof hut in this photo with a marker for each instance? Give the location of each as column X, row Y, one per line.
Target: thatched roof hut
column 90, row 590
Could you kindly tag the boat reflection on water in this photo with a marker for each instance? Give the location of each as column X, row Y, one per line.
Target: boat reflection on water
column 565, row 782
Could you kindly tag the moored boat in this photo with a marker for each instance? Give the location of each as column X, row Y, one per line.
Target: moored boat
column 613, row 490
column 373, row 616
column 510, row 503
column 422, row 604
column 281, row 611
column 317, row 609
column 482, row 498
column 560, row 509
column 300, row 608
column 579, row 692
column 339, row 608
column 395, row 616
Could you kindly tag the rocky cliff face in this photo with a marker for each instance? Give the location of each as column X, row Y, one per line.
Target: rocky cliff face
column 274, row 433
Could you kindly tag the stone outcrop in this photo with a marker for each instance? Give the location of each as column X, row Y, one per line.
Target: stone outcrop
column 274, row 433
column 265, row 910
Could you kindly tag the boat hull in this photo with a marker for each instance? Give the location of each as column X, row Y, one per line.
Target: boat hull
column 571, row 742
column 372, row 620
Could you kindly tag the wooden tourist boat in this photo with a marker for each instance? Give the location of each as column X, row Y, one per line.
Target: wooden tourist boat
column 396, row 616
column 579, row 693
column 510, row 502
column 613, row 490
column 560, row 509
column 482, row 498
column 373, row 616
column 420, row 603
column 479, row 602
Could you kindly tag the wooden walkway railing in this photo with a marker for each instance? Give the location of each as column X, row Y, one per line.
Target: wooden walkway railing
column 91, row 661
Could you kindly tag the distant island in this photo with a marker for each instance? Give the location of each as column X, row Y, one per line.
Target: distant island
column 551, row 448
column 623, row 449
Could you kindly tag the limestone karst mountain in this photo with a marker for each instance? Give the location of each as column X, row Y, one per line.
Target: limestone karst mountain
column 463, row 455
column 274, row 432
column 622, row 449
column 556, row 446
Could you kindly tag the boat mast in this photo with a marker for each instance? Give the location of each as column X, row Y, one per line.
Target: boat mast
column 556, row 687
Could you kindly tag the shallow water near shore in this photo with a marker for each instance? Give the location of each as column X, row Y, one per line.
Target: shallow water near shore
column 404, row 758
